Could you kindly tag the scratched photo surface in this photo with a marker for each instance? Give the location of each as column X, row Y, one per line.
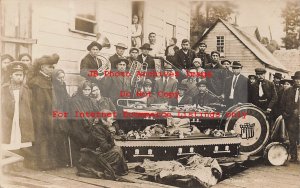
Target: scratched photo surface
column 149, row 93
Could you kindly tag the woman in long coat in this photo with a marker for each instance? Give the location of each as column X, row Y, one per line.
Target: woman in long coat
column 61, row 104
column 80, row 126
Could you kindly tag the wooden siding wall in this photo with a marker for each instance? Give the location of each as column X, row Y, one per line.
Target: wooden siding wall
column 158, row 13
column 15, row 24
column 235, row 50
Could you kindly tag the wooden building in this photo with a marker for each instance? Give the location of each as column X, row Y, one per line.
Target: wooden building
column 241, row 44
column 66, row 27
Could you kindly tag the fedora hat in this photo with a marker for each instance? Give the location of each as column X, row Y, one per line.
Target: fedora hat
column 296, row 75
column 277, row 75
column 146, row 46
column 94, row 43
column 121, row 45
column 16, row 66
column 286, row 80
column 236, row 64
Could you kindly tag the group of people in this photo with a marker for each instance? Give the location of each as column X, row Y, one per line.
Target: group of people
column 33, row 94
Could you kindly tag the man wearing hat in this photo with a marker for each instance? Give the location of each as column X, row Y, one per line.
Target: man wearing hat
column 215, row 83
column 277, row 77
column 204, row 97
column 16, row 119
column 205, row 58
column 236, row 86
column 44, row 147
column 252, row 78
column 144, row 57
column 227, row 64
column 148, row 93
column 120, row 49
column 262, row 93
column 165, row 84
column 286, row 83
column 118, row 83
column 290, row 106
column 91, row 63
column 182, row 98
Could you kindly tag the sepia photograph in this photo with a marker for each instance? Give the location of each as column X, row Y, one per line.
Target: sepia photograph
column 150, row 93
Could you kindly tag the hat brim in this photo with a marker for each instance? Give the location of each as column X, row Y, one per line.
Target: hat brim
column 124, row 47
column 90, row 46
column 295, row 77
column 234, row 66
column 145, row 48
column 289, row 81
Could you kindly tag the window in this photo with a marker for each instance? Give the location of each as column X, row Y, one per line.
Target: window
column 221, row 45
column 170, row 32
column 84, row 17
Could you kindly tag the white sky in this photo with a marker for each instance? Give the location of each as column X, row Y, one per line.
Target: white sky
column 262, row 13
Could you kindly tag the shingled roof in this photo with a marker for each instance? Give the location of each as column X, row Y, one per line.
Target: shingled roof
column 258, row 49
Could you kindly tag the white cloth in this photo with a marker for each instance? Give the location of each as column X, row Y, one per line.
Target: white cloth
column 297, row 95
column 260, row 91
column 233, row 86
column 157, row 50
column 179, row 98
column 15, row 138
column 144, row 58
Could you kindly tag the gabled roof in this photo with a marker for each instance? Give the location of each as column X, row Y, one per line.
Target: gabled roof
column 252, row 44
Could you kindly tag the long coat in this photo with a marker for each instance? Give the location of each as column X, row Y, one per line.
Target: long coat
column 8, row 107
column 240, row 94
column 290, row 112
column 42, row 106
column 215, row 83
column 269, row 96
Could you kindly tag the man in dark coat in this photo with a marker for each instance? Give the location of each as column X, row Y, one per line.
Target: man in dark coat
column 262, row 93
column 204, row 97
column 236, row 87
column 205, row 58
column 166, row 87
column 290, row 106
column 171, row 50
column 215, row 83
column 144, row 57
column 90, row 62
column 42, row 107
column 279, row 90
column 116, row 86
column 120, row 49
column 184, row 57
column 16, row 105
column 182, row 98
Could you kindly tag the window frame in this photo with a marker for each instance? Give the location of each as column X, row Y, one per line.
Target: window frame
column 74, row 17
column 222, row 54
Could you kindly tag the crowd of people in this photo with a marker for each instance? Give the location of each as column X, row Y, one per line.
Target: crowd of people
column 32, row 91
